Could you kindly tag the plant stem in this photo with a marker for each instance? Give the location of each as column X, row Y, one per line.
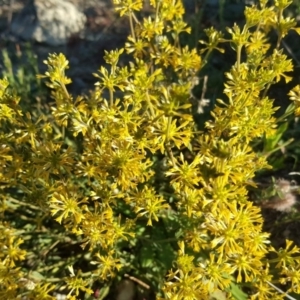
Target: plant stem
column 238, row 58
column 150, row 105
column 131, row 27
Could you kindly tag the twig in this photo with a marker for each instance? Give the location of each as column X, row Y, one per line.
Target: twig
column 143, row 284
column 280, row 291
column 289, row 50
column 21, row 203
column 204, row 87
column 202, row 102
column 10, row 14
column 44, row 253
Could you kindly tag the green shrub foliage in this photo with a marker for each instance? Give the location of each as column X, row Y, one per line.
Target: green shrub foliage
column 121, row 181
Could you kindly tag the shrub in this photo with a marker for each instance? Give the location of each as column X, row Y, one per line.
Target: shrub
column 101, row 187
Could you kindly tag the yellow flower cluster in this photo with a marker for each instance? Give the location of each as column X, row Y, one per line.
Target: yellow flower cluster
column 90, row 164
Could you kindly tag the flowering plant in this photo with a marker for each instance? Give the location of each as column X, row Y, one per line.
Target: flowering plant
column 109, row 181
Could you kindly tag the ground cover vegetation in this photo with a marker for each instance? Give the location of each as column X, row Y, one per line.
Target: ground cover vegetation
column 127, row 184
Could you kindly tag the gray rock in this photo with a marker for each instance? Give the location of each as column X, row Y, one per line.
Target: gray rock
column 52, row 22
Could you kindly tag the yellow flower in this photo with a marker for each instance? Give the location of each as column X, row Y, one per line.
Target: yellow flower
column 126, row 7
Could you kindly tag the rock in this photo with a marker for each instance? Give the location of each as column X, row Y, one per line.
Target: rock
column 52, row 22
column 125, row 290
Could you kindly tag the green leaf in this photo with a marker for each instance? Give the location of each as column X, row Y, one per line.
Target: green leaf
column 218, row 295
column 36, row 276
column 237, row 293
